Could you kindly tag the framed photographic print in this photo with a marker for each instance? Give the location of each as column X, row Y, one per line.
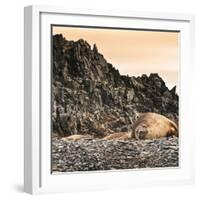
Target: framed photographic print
column 107, row 97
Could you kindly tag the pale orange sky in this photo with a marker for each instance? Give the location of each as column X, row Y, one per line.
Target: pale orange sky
column 133, row 52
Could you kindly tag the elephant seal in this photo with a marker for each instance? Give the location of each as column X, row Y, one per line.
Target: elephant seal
column 153, row 125
column 118, row 136
column 76, row 137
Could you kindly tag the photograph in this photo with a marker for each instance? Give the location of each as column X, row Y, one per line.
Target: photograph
column 114, row 99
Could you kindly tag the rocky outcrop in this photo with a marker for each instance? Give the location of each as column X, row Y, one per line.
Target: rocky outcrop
column 89, row 95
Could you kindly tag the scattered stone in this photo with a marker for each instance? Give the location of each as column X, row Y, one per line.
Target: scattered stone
column 97, row 154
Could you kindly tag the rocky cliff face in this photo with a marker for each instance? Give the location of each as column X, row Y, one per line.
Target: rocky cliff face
column 89, row 95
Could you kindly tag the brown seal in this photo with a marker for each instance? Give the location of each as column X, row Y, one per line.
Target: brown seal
column 153, row 125
column 118, row 136
column 75, row 137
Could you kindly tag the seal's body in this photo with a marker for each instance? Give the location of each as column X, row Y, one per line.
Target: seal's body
column 118, row 136
column 153, row 125
column 75, row 137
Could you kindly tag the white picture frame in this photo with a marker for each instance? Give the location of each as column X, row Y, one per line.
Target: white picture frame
column 37, row 62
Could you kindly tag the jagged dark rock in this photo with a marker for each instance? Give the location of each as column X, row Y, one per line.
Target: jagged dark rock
column 91, row 97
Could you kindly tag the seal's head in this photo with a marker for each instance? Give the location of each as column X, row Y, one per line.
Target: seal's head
column 140, row 132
